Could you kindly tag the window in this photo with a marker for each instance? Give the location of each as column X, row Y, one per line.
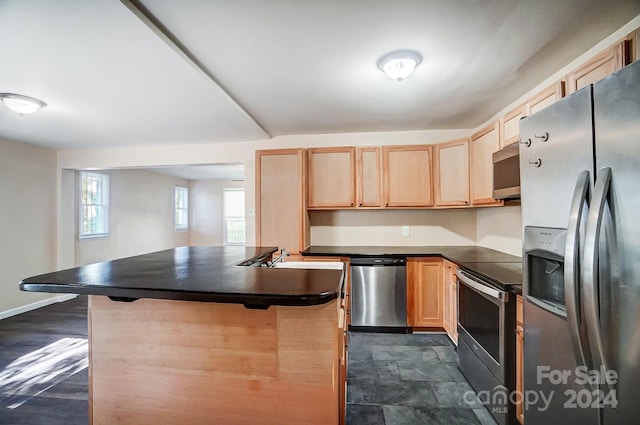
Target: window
column 234, row 225
column 182, row 208
column 94, row 207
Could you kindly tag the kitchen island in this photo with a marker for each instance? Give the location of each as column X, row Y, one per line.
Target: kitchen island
column 189, row 336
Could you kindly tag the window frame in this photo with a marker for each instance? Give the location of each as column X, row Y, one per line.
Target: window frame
column 185, row 209
column 226, row 219
column 106, row 204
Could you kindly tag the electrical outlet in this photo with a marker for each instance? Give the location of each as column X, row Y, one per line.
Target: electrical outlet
column 405, row 230
column 252, row 212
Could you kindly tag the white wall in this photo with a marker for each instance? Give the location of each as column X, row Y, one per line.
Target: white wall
column 142, row 218
column 27, row 219
column 206, row 210
column 382, row 227
column 500, row 229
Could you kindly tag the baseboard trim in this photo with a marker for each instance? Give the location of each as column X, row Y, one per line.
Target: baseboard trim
column 35, row 305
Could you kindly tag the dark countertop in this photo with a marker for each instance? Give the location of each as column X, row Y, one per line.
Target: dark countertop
column 195, row 273
column 504, row 270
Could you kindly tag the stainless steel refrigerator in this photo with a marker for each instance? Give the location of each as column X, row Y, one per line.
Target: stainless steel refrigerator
column 580, row 194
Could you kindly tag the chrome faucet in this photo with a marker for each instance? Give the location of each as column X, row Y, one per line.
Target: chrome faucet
column 279, row 258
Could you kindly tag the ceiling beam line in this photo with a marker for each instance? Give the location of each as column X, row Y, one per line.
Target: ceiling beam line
column 138, row 9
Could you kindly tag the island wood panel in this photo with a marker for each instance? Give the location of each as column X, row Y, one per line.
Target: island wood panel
column 407, row 176
column 452, row 173
column 368, row 177
column 175, row 362
column 605, row 63
column 332, row 182
column 281, row 216
column 483, row 144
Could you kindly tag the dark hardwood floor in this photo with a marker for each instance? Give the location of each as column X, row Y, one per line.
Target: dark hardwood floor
column 65, row 402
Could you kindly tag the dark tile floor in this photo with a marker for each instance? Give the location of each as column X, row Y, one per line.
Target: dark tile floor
column 397, row 379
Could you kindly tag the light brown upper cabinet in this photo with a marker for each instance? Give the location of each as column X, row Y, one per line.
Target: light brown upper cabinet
column 332, row 174
column 601, row 65
column 425, row 292
column 483, row 144
column 511, row 126
column 546, row 97
column 406, row 172
column 281, row 216
column 368, row 177
column 451, row 172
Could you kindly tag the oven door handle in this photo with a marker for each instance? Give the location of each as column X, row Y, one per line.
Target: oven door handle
column 479, row 287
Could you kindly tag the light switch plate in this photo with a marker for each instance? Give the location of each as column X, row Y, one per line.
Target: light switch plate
column 405, row 230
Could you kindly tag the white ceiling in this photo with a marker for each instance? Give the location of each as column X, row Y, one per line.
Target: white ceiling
column 285, row 66
column 203, row 172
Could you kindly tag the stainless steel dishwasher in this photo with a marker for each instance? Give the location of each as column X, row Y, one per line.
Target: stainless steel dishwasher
column 378, row 293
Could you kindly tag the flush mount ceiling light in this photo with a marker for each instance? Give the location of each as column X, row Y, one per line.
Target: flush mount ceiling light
column 20, row 104
column 399, row 64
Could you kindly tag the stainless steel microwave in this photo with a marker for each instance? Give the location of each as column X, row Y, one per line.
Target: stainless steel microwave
column 506, row 172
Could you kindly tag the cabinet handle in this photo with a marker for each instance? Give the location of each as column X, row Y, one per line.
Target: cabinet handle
column 386, row 205
column 361, row 204
column 544, row 137
column 527, row 142
column 352, row 204
column 536, row 163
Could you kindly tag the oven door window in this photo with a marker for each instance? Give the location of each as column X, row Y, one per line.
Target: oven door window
column 481, row 319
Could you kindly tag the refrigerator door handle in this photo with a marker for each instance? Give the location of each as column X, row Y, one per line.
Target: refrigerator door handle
column 590, row 268
column 572, row 265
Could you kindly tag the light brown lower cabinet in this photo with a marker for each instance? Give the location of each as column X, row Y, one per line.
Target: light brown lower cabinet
column 519, row 358
column 450, row 290
column 424, row 292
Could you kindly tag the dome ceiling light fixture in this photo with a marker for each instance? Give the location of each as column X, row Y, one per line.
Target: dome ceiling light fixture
column 20, row 104
column 399, row 64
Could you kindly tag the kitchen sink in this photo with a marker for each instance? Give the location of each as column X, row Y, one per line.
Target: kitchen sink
column 338, row 265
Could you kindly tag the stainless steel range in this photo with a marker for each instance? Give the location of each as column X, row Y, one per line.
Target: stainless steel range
column 486, row 344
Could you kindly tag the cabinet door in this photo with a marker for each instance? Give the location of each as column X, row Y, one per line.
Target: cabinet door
column 281, row 217
column 424, row 291
column 547, row 97
column 519, row 359
column 483, row 144
column 368, row 177
column 452, row 173
column 510, row 131
column 407, row 180
column 450, row 314
column 332, row 177
column 606, row 63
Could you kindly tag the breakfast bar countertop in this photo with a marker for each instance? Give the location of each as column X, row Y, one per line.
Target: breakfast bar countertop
column 196, row 273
